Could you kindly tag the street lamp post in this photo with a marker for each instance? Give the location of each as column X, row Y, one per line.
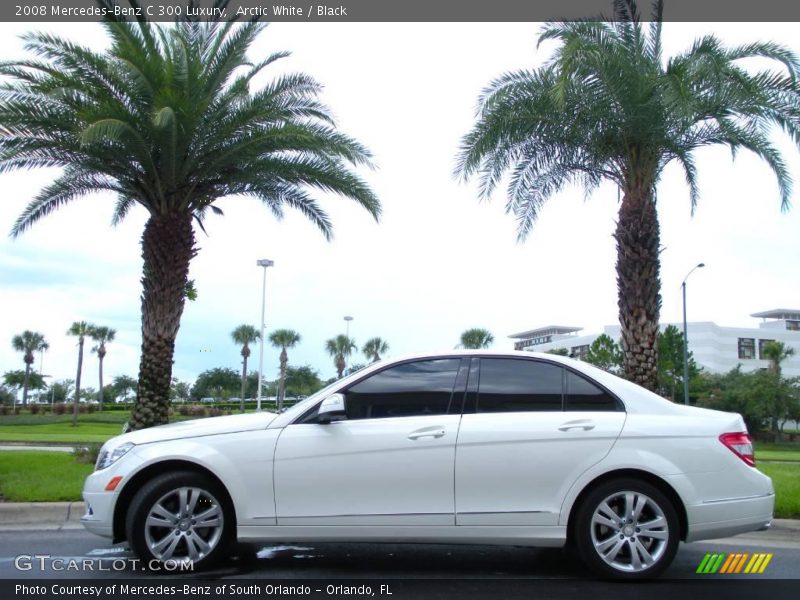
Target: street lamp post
column 686, row 338
column 264, row 262
column 347, row 325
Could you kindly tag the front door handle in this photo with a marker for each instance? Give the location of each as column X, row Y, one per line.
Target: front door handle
column 584, row 424
column 435, row 432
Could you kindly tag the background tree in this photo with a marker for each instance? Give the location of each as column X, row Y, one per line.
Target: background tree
column 302, row 381
column 166, row 119
column 218, row 382
column 779, row 403
column 179, row 390
column 374, row 347
column 340, row 348
column 608, row 107
column 764, row 399
column 124, row 385
column 7, row 396
column 245, row 335
column 60, row 391
column 670, row 363
column 558, row 351
column 476, row 339
column 81, row 330
column 269, row 388
column 28, row 342
column 18, row 379
column 283, row 339
column 102, row 336
column 355, row 368
column 776, row 353
column 605, row 353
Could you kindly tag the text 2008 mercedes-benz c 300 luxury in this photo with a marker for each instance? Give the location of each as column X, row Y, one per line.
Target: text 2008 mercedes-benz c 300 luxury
column 465, row 447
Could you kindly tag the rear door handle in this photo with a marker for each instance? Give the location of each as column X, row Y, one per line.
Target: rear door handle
column 435, row 432
column 584, row 424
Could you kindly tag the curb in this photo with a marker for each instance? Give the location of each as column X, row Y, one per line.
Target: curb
column 40, row 515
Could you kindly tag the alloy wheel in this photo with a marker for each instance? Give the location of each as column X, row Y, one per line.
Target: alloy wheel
column 184, row 524
column 629, row 531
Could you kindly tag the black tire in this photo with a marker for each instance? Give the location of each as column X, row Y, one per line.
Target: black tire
column 641, row 546
column 162, row 494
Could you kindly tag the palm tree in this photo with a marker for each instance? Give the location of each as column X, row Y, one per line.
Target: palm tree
column 167, row 121
column 476, row 339
column 245, row 335
column 28, row 342
column 340, row 348
column 609, row 107
column 283, row 339
column 776, row 353
column 81, row 330
column 373, row 349
column 102, row 335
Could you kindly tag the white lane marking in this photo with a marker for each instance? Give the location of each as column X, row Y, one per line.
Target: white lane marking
column 271, row 551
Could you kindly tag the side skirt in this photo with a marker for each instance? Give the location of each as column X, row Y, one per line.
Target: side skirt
column 545, row 536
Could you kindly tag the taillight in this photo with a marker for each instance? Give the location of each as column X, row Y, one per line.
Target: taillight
column 741, row 444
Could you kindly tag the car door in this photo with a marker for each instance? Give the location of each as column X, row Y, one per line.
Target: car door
column 390, row 462
column 530, row 428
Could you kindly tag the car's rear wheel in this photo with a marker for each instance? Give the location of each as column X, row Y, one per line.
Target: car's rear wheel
column 627, row 529
column 180, row 517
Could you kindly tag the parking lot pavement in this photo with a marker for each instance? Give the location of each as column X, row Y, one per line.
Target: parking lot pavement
column 44, row 448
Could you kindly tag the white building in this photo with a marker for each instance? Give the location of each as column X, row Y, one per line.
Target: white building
column 716, row 348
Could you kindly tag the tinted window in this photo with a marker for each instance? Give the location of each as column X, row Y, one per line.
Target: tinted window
column 410, row 389
column 584, row 395
column 508, row 385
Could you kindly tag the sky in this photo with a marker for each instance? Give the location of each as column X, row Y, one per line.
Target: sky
column 440, row 261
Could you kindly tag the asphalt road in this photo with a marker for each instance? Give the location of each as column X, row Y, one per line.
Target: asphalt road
column 347, row 561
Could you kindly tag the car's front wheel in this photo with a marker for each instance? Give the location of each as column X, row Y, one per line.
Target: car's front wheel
column 180, row 517
column 627, row 529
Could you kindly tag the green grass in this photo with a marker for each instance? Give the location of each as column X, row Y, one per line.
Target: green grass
column 28, row 419
column 58, row 429
column 778, row 452
column 41, row 476
column 786, row 479
column 59, row 432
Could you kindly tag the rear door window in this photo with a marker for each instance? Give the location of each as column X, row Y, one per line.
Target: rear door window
column 518, row 385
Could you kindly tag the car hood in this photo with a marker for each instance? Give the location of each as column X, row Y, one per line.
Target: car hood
column 199, row 427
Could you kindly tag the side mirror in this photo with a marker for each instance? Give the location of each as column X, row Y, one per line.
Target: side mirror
column 332, row 409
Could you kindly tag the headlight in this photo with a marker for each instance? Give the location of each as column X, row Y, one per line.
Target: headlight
column 108, row 456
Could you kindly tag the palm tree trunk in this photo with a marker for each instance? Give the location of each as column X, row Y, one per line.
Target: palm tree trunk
column 167, row 249
column 100, row 396
column 26, row 383
column 77, row 384
column 244, row 381
column 340, row 364
column 282, row 382
column 639, row 284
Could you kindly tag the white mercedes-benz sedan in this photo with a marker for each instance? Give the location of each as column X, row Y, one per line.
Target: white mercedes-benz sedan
column 463, row 447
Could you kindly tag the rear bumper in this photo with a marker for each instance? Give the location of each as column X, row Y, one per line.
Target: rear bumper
column 724, row 518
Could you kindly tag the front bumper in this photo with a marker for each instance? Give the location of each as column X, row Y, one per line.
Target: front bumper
column 99, row 515
column 100, row 503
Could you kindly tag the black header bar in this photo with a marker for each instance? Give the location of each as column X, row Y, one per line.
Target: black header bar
column 390, row 10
